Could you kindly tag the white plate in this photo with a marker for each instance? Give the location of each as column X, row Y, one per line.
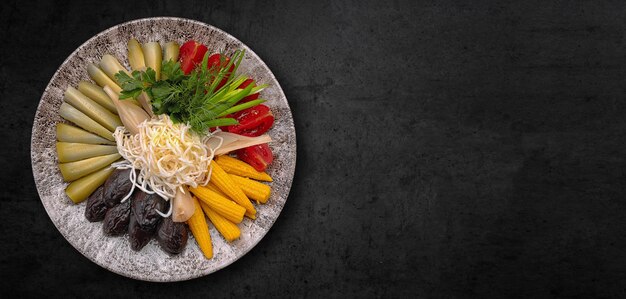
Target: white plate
column 114, row 253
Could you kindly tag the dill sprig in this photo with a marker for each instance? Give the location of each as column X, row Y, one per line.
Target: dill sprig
column 194, row 98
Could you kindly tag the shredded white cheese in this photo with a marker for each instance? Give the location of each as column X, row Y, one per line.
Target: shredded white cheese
column 165, row 155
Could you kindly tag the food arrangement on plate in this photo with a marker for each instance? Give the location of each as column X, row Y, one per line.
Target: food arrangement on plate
column 175, row 144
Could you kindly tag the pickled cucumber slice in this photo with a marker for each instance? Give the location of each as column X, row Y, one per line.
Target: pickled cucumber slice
column 92, row 109
column 70, row 152
column 135, row 56
column 153, row 57
column 75, row 170
column 111, row 66
column 95, row 93
column 96, row 74
column 80, row 119
column 80, row 189
column 171, row 51
column 69, row 133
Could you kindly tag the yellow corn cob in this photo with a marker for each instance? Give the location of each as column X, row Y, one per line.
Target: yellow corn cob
column 241, row 168
column 253, row 189
column 214, row 188
column 225, row 207
column 200, row 230
column 229, row 230
column 226, row 184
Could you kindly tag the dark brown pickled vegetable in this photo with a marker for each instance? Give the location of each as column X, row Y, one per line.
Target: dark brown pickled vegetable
column 116, row 219
column 145, row 207
column 137, row 236
column 96, row 208
column 172, row 236
column 116, row 187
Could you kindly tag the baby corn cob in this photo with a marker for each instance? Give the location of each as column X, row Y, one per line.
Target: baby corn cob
column 226, row 184
column 214, row 188
column 224, row 206
column 200, row 230
column 253, row 189
column 240, row 168
column 229, row 230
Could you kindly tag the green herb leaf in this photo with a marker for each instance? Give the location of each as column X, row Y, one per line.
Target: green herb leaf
column 130, row 94
column 131, row 86
column 149, row 76
column 171, row 70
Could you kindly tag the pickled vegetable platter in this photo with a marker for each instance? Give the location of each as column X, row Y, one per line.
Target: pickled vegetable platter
column 163, row 149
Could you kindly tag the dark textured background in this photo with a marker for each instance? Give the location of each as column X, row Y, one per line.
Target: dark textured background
column 444, row 150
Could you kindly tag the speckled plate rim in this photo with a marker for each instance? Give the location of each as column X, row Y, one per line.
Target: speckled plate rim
column 290, row 171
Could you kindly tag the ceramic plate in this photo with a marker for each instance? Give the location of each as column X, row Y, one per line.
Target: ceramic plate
column 114, row 253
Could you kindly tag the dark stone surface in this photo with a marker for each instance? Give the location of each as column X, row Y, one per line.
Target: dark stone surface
column 445, row 150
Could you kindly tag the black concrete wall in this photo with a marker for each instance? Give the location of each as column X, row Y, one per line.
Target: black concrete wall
column 444, row 149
